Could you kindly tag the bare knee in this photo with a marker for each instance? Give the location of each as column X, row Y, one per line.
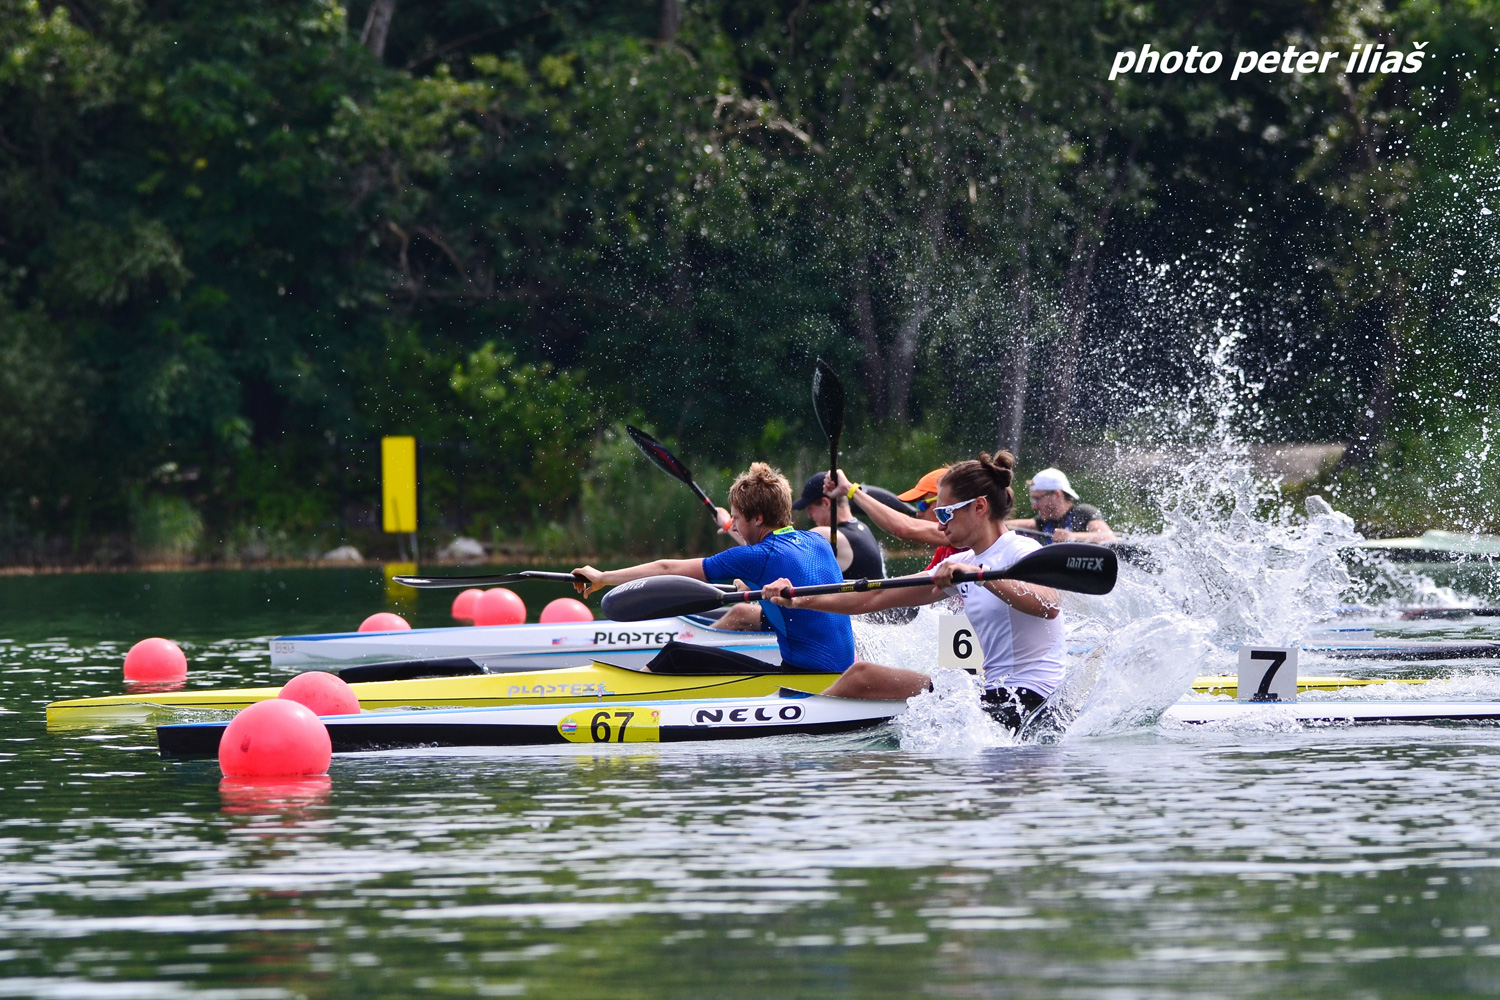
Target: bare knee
column 741, row 618
column 872, row 680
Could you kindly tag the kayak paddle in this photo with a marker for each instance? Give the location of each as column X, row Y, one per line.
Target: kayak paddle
column 439, row 582
column 828, row 402
column 671, row 465
column 1075, row 566
column 435, row 582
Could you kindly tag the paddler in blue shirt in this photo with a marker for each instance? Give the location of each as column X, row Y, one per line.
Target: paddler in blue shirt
column 760, row 510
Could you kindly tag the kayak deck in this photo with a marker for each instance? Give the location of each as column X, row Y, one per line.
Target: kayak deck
column 600, row 681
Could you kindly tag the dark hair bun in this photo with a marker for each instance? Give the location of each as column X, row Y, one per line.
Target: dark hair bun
column 999, row 466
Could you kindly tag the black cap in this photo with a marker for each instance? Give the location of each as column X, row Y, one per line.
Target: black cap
column 812, row 492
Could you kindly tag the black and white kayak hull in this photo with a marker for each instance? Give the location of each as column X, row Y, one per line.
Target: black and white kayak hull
column 661, row 721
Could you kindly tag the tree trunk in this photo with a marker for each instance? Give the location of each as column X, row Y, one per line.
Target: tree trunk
column 1389, row 303
column 670, row 21
column 1080, row 281
column 869, row 337
column 1012, row 404
column 378, row 27
column 1063, row 368
column 1361, row 447
column 904, row 351
column 680, row 295
column 903, row 362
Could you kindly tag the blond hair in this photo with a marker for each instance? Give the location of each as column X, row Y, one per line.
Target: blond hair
column 763, row 491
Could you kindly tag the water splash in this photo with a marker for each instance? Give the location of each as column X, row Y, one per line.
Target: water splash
column 949, row 719
column 1127, row 681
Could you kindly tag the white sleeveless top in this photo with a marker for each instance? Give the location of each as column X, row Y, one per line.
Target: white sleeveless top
column 1020, row 650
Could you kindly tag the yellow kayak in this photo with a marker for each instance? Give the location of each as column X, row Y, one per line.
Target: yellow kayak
column 533, row 687
column 1228, row 684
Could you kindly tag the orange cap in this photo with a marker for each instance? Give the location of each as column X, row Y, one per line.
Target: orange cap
column 926, row 486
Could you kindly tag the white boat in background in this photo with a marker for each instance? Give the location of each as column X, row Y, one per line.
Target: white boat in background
column 1332, row 712
column 1437, row 546
column 504, row 648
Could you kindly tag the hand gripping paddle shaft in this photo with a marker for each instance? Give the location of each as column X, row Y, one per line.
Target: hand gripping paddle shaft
column 1075, row 566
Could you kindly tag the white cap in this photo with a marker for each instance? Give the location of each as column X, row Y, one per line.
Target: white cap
column 1052, row 479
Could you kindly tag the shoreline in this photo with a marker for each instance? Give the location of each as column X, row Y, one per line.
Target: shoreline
column 371, row 564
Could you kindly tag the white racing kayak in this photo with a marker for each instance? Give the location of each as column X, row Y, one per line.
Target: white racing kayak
column 787, row 714
column 504, row 648
column 1332, row 712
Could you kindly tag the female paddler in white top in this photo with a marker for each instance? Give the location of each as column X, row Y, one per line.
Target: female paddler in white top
column 1017, row 624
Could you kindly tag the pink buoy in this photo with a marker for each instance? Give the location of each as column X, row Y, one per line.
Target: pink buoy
column 463, row 605
column 565, row 609
column 274, row 738
column 324, row 693
column 384, row 621
column 499, row 607
column 155, row 661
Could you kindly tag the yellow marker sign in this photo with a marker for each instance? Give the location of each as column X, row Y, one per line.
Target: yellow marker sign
column 398, row 490
column 397, row 593
column 612, row 725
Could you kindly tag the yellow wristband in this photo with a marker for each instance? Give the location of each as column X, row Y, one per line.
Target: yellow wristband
column 853, row 489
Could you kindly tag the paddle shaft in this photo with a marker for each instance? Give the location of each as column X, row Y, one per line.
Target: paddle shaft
column 1071, row 566
column 828, row 404
column 861, row 586
column 441, row 582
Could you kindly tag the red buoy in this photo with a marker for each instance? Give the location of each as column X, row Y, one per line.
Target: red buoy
column 566, row 609
column 324, row 693
column 463, row 605
column 499, row 606
column 384, row 621
column 275, row 737
column 155, row 661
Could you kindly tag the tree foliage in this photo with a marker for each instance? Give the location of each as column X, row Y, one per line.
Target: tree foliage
column 238, row 244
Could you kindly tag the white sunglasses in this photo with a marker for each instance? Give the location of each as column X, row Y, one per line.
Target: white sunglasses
column 945, row 513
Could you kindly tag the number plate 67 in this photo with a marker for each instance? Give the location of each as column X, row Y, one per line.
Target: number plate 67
column 627, row 724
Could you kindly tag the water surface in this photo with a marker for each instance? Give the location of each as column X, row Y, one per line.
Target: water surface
column 1156, row 862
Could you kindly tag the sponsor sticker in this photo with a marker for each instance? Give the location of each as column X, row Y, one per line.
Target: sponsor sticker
column 758, row 715
column 627, row 724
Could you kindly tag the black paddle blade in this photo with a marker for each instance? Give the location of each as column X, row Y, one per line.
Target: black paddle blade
column 1076, row 566
column 660, row 597
column 828, row 400
column 659, row 455
column 891, row 500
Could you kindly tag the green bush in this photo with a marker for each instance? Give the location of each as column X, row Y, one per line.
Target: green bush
column 165, row 528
